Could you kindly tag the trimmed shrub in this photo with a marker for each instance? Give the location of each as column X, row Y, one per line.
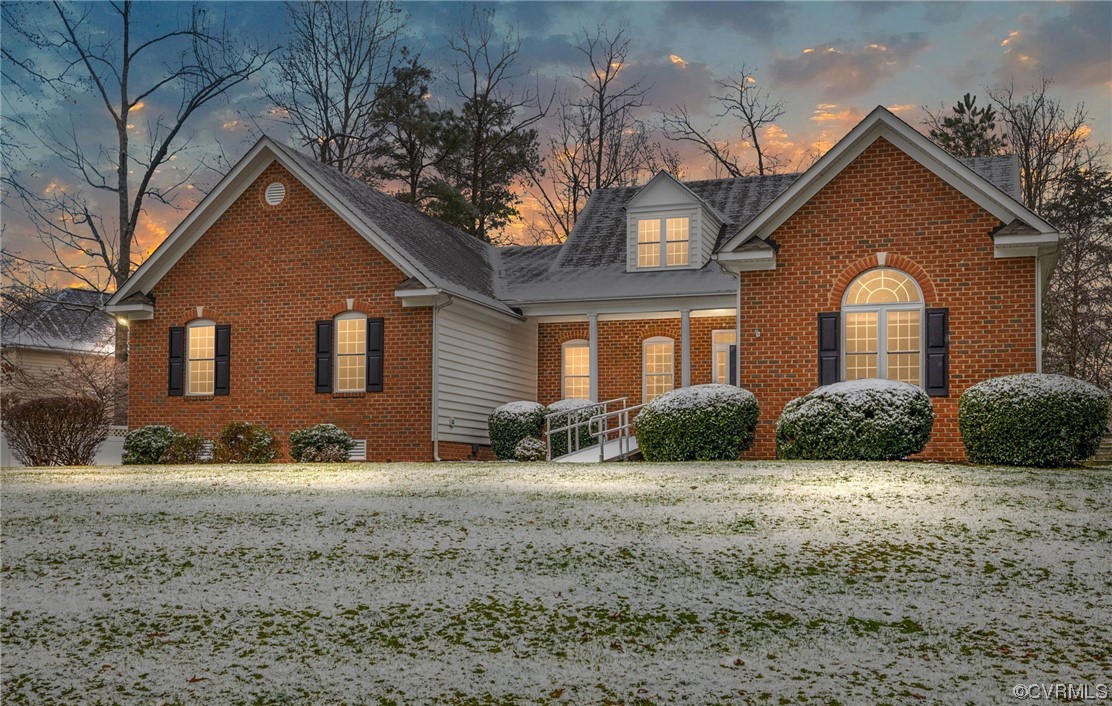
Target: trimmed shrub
column 242, row 442
column 530, row 449
column 568, row 412
column 56, row 431
column 183, row 448
column 511, row 423
column 1032, row 420
column 861, row 420
column 698, row 423
column 320, row 443
column 146, row 445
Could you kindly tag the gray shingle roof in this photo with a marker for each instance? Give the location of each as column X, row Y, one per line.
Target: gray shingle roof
column 1002, row 172
column 69, row 320
column 461, row 262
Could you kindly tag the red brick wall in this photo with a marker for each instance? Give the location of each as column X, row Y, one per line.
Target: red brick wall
column 886, row 202
column 271, row 272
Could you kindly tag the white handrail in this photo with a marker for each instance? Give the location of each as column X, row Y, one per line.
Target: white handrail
column 603, row 430
column 576, row 418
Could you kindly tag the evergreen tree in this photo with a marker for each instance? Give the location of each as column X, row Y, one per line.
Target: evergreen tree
column 968, row 131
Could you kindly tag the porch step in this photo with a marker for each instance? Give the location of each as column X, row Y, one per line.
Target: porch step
column 1103, row 456
column 591, row 453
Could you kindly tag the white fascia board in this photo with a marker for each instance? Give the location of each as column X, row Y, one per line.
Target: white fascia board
column 1026, row 245
column 882, row 123
column 747, row 261
column 579, row 310
column 132, row 312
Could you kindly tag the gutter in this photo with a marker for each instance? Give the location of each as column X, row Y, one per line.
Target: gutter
column 436, row 375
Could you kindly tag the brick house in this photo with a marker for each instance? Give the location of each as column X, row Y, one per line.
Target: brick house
column 294, row 295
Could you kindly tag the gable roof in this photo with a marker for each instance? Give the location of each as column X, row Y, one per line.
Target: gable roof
column 68, row 321
column 973, row 178
column 438, row 255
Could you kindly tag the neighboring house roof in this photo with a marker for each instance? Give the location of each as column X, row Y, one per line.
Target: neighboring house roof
column 69, row 321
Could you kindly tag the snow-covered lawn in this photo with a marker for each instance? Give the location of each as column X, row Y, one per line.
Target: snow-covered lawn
column 801, row 583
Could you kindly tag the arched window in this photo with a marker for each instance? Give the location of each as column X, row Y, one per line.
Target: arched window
column 658, row 367
column 351, row 352
column 575, row 369
column 200, row 346
column 883, row 329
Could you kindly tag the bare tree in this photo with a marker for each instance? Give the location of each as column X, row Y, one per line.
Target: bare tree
column 599, row 142
column 128, row 70
column 1049, row 139
column 331, row 72
column 491, row 142
column 751, row 108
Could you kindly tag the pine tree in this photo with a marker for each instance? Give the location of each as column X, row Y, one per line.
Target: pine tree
column 968, row 131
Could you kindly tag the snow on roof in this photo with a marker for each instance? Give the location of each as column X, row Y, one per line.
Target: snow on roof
column 69, row 320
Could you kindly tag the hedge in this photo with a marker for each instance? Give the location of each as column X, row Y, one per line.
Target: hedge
column 511, row 423
column 320, row 443
column 866, row 420
column 1032, row 420
column 241, row 442
column 569, row 411
column 56, row 431
column 699, row 423
column 146, row 445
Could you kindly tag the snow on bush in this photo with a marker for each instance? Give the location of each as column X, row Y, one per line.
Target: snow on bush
column 183, row 448
column 1032, row 420
column 146, row 445
column 511, row 423
column 867, row 420
column 320, row 442
column 530, row 449
column 699, row 423
column 241, row 442
column 570, row 411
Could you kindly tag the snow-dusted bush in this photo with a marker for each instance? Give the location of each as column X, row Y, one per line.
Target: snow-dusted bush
column 867, row 420
column 568, row 412
column 320, row 442
column 242, row 442
column 530, row 449
column 146, row 445
column 1032, row 420
column 699, row 423
column 56, row 431
column 513, row 422
column 183, row 448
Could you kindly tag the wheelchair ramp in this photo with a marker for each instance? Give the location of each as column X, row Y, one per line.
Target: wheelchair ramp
column 611, row 452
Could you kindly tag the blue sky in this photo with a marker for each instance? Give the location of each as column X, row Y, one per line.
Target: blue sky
column 830, row 62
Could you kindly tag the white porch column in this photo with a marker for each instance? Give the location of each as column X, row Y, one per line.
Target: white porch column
column 593, row 347
column 685, row 347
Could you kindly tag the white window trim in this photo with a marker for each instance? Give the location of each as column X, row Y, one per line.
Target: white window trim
column 882, row 326
column 662, row 222
column 715, row 349
column 574, row 343
column 347, row 315
column 644, row 363
column 199, row 323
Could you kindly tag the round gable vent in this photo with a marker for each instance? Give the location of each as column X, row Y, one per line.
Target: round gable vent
column 275, row 193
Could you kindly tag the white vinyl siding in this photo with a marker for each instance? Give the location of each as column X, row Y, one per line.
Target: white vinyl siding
column 484, row 360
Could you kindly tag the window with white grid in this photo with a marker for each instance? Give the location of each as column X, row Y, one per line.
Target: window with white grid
column 883, row 327
column 658, row 368
column 720, row 349
column 576, row 371
column 663, row 242
column 201, row 348
column 351, row 352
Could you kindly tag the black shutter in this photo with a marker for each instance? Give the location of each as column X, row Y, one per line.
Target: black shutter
column 829, row 349
column 324, row 356
column 223, row 360
column 374, row 354
column 731, row 361
column 177, row 361
column 938, row 352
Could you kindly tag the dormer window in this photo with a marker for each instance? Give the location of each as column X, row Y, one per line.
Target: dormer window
column 667, row 236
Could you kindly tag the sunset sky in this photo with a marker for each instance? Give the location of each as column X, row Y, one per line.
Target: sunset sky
column 830, row 62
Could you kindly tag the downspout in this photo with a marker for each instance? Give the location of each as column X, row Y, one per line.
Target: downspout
column 436, row 376
column 737, row 329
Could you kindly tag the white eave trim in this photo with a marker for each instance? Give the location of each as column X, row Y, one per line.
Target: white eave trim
column 747, row 261
column 1026, row 245
column 132, row 312
column 882, row 123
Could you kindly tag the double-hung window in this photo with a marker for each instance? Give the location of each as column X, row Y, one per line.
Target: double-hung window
column 351, row 352
column 201, row 368
column 663, row 242
column 883, row 311
column 576, row 370
column 721, row 341
column 657, row 368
